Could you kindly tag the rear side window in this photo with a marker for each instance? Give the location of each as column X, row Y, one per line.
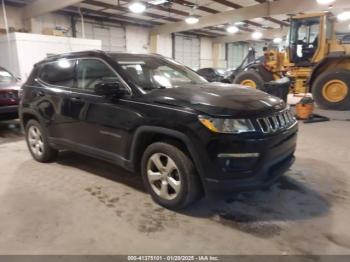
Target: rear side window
column 58, row 73
column 91, row 72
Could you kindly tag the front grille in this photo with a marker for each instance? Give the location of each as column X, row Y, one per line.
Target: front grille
column 276, row 122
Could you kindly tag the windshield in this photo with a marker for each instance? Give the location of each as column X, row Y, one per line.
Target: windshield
column 6, row 77
column 157, row 72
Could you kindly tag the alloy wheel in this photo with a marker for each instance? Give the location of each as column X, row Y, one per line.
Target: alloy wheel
column 164, row 176
column 36, row 142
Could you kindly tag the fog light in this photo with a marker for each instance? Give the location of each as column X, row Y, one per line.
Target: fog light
column 238, row 155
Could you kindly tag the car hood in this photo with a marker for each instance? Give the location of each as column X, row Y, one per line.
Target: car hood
column 218, row 99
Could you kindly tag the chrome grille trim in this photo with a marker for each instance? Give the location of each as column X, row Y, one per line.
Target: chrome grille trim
column 276, row 122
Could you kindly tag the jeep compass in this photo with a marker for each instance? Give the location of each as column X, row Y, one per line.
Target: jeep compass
column 152, row 115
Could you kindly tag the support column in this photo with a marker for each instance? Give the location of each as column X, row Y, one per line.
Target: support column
column 219, row 60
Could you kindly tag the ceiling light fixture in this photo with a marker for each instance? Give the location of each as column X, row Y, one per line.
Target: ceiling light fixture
column 232, row 29
column 158, row 2
column 191, row 20
column 325, row 2
column 239, row 23
column 277, row 40
column 257, row 35
column 344, row 16
column 137, row 7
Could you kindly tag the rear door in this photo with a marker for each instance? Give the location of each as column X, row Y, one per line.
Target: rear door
column 52, row 95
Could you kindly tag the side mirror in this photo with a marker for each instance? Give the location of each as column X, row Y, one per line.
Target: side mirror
column 110, row 89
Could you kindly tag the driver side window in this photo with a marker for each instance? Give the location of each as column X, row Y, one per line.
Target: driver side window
column 91, row 72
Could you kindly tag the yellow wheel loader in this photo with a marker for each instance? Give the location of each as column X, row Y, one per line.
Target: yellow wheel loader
column 315, row 60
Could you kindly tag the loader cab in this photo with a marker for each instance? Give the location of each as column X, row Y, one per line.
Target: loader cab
column 307, row 39
column 304, row 40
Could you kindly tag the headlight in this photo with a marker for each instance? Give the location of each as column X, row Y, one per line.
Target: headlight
column 227, row 126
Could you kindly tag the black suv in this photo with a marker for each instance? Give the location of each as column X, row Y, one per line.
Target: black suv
column 152, row 115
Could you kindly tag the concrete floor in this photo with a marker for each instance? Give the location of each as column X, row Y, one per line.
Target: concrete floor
column 84, row 206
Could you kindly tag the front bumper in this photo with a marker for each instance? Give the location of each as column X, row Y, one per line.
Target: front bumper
column 274, row 155
column 8, row 112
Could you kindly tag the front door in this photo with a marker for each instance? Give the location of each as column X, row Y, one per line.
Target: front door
column 99, row 122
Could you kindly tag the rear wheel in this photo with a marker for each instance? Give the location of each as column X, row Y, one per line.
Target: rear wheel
column 250, row 78
column 170, row 176
column 331, row 90
column 38, row 144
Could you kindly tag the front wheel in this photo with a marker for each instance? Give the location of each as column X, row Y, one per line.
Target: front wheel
column 170, row 176
column 331, row 90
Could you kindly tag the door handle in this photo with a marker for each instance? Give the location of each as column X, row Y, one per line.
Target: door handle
column 76, row 99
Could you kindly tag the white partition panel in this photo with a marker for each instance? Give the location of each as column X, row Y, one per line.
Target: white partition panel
column 24, row 50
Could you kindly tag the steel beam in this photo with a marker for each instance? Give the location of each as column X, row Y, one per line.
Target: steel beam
column 267, row 34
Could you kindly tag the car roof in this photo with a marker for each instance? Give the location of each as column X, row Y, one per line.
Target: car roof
column 94, row 53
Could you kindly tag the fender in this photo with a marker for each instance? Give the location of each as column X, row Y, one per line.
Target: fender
column 319, row 68
column 29, row 111
column 169, row 132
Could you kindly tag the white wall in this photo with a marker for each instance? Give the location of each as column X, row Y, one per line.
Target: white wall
column 9, row 55
column 28, row 49
column 206, row 52
column 165, row 45
column 38, row 24
column 137, row 39
column 14, row 17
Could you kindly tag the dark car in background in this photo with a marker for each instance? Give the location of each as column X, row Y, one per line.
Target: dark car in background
column 9, row 98
column 215, row 75
column 152, row 115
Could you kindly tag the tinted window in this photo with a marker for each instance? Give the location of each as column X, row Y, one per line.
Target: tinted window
column 157, row 73
column 91, row 72
column 59, row 73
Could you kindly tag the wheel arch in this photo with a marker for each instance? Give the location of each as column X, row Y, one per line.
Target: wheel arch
column 334, row 61
column 27, row 115
column 146, row 135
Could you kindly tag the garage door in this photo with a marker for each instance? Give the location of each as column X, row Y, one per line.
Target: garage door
column 187, row 50
column 236, row 52
column 113, row 38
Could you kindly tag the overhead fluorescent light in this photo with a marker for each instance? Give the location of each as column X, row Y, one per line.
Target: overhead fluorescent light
column 191, row 20
column 232, row 29
column 325, row 2
column 344, row 16
column 137, row 7
column 158, row 2
column 277, row 40
column 257, row 35
column 239, row 23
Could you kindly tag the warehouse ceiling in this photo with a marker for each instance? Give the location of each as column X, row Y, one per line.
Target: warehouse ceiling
column 170, row 11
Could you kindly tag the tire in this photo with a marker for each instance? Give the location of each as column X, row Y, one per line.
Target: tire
column 189, row 188
column 41, row 151
column 250, row 76
column 331, row 90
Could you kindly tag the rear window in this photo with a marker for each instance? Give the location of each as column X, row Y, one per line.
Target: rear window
column 58, row 73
